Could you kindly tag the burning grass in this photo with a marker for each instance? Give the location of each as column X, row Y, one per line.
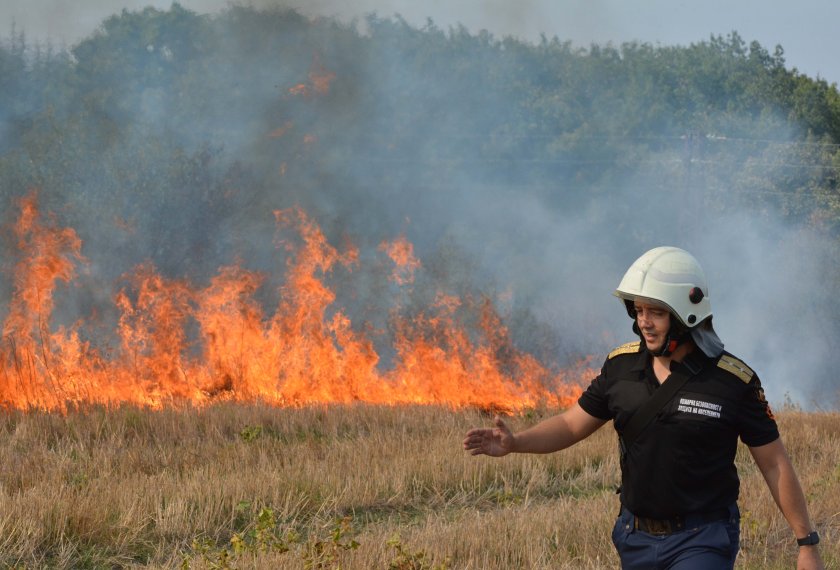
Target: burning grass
column 177, row 343
column 242, row 486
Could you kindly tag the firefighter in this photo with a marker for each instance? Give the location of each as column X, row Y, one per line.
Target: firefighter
column 679, row 484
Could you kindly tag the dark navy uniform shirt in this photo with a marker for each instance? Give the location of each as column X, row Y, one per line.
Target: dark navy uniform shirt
column 684, row 461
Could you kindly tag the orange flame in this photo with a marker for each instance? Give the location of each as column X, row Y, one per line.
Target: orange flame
column 280, row 131
column 307, row 351
column 319, row 80
column 401, row 252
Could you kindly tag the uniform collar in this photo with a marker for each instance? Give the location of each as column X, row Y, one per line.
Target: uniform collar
column 642, row 361
column 693, row 361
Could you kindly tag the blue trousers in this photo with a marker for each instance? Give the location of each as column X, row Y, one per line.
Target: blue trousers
column 701, row 546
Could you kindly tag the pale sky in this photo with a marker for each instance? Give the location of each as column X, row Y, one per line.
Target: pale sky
column 806, row 29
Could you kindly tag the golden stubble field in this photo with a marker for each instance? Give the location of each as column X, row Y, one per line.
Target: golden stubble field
column 251, row 486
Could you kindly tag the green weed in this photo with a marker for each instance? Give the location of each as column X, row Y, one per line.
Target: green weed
column 410, row 560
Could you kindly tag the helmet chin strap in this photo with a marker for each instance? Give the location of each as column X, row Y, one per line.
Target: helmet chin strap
column 670, row 344
column 668, row 347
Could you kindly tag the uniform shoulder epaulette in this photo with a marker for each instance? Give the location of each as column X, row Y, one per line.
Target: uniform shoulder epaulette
column 736, row 367
column 626, row 348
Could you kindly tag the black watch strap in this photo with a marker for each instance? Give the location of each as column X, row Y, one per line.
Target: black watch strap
column 810, row 540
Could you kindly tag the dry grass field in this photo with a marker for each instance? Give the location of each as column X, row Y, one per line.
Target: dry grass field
column 250, row 486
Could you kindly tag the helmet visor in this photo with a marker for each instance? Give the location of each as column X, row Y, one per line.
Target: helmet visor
column 638, row 299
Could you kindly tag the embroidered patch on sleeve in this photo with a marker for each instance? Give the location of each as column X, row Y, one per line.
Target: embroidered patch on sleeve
column 759, row 393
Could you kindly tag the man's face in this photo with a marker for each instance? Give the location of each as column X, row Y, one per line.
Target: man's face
column 654, row 322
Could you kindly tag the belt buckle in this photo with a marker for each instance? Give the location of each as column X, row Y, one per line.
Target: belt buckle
column 655, row 527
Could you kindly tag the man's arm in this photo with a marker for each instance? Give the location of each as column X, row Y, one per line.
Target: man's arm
column 552, row 434
column 775, row 466
column 557, row 432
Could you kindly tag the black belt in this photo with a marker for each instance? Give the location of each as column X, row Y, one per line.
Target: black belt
column 677, row 523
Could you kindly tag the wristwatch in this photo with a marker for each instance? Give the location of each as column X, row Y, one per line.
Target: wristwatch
column 810, row 540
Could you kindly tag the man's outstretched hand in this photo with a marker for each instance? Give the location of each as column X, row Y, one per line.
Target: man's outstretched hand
column 496, row 441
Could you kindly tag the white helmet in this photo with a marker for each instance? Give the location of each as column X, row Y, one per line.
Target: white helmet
column 672, row 277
